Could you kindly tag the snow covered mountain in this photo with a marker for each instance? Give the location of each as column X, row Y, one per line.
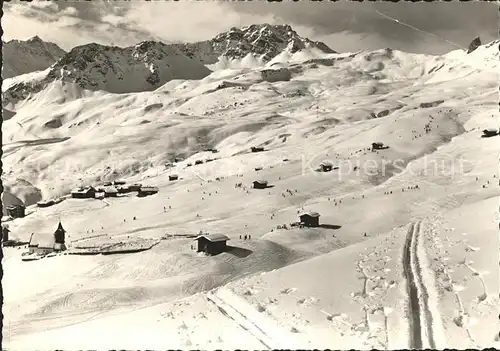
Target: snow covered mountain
column 260, row 42
column 148, row 65
column 142, row 67
column 20, row 57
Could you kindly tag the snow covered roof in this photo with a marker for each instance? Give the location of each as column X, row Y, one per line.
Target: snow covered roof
column 260, row 181
column 12, row 207
column 43, row 241
column 148, row 188
column 82, row 189
column 310, row 214
column 213, row 237
column 110, row 189
column 46, row 202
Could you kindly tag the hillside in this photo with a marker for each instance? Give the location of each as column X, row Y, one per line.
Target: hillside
column 405, row 230
column 26, row 56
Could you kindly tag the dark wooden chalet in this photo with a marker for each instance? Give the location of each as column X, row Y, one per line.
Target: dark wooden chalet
column 134, row 187
column 489, row 132
column 260, row 184
column 110, row 191
column 211, row 244
column 257, row 148
column 45, row 203
column 123, row 189
column 377, row 146
column 325, row 166
column 83, row 193
column 147, row 190
column 173, row 177
column 16, row 211
column 5, row 233
column 198, row 162
column 310, row 219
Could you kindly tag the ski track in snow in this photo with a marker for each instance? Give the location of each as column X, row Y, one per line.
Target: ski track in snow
column 419, row 312
column 249, row 319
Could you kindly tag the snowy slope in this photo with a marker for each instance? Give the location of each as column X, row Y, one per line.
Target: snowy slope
column 26, row 56
column 315, row 287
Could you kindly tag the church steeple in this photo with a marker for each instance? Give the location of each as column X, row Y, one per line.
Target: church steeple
column 59, row 234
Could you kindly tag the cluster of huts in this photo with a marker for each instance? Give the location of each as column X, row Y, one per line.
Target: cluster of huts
column 112, row 189
column 200, row 162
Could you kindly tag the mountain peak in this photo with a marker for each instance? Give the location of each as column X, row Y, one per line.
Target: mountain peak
column 35, row 39
column 264, row 40
column 26, row 56
column 475, row 43
column 142, row 67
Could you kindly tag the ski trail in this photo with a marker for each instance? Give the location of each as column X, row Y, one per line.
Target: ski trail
column 419, row 314
column 413, row 306
column 239, row 319
column 426, row 315
column 238, row 310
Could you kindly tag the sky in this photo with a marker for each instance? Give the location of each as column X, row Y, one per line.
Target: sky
column 426, row 27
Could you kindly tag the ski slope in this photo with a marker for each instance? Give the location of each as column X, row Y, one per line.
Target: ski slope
column 403, row 257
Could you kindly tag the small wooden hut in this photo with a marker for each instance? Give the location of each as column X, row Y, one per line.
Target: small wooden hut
column 325, row 166
column 260, row 184
column 310, row 219
column 257, row 148
column 211, row 244
column 489, row 132
column 16, row 211
column 147, row 190
column 377, row 146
